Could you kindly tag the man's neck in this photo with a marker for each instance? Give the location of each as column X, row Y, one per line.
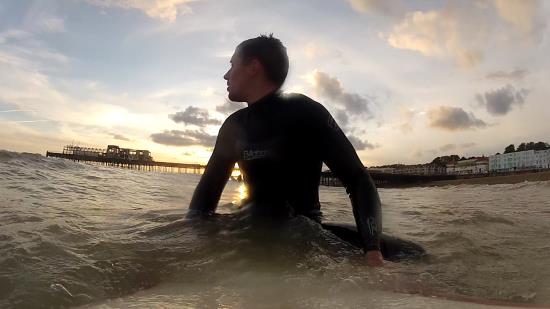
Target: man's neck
column 257, row 95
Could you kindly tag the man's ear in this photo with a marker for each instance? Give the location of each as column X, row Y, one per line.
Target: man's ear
column 255, row 67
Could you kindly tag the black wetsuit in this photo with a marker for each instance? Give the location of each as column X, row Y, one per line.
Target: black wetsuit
column 280, row 143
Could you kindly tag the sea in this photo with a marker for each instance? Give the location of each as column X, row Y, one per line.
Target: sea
column 76, row 234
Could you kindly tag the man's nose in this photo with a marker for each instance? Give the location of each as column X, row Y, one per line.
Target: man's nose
column 226, row 75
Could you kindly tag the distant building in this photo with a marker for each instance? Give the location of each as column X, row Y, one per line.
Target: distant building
column 389, row 170
column 520, row 160
column 113, row 151
column 143, row 155
column 421, row 169
column 413, row 169
column 469, row 166
column 83, row 151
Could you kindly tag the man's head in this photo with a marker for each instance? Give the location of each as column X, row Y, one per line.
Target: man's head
column 257, row 63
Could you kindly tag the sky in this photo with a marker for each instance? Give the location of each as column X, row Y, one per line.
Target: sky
column 407, row 81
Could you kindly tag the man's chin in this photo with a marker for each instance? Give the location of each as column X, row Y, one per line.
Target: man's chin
column 235, row 98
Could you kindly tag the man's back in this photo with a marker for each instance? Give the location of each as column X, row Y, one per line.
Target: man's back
column 277, row 149
column 280, row 143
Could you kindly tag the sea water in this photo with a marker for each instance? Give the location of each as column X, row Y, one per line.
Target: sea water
column 77, row 234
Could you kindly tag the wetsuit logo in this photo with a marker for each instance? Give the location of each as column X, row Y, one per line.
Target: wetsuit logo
column 254, row 154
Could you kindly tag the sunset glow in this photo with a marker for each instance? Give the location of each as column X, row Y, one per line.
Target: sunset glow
column 406, row 80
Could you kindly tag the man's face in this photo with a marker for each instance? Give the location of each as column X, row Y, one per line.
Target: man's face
column 237, row 78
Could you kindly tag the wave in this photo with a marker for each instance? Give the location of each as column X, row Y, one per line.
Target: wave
column 69, row 228
column 35, row 161
column 480, row 217
column 6, row 155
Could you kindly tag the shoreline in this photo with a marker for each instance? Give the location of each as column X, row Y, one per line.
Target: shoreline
column 492, row 180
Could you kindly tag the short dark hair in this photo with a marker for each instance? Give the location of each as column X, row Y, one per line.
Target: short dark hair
column 270, row 52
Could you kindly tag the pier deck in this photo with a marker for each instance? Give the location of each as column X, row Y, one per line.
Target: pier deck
column 388, row 180
column 134, row 164
column 327, row 178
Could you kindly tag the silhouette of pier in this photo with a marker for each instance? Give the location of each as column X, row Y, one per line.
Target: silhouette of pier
column 142, row 160
column 125, row 158
column 155, row 166
column 388, row 180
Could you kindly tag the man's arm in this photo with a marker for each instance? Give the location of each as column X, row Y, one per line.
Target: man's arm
column 207, row 194
column 340, row 156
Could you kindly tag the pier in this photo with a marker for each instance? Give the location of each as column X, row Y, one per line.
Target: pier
column 154, row 166
column 125, row 158
column 142, row 160
column 388, row 180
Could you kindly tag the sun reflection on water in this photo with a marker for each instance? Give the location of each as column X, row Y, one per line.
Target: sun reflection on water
column 243, row 191
column 240, row 196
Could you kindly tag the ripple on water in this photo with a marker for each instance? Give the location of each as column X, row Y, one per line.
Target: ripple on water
column 18, row 218
column 411, row 213
column 88, row 238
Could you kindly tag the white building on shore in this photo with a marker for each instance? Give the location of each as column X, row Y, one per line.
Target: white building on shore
column 421, row 169
column 520, row 160
column 469, row 167
column 414, row 169
column 388, row 170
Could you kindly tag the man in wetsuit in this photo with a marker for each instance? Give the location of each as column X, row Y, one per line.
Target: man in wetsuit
column 280, row 143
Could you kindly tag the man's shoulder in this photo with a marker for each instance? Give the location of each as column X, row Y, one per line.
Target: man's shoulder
column 302, row 102
column 232, row 123
column 297, row 98
column 235, row 116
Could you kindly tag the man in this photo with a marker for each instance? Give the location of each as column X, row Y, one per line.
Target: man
column 280, row 143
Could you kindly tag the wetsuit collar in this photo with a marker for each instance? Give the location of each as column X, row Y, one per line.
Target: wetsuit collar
column 267, row 98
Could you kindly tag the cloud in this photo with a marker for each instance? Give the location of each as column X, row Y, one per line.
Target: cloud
column 13, row 34
column 359, row 144
column 184, row 138
column 20, row 137
column 229, row 107
column 408, row 115
column 468, row 145
column 514, row 75
column 453, row 119
column 161, row 9
column 499, row 102
column 194, row 116
column 82, row 129
column 447, row 147
column 120, row 137
column 435, row 33
column 21, row 49
column 51, row 24
column 12, row 113
column 520, row 13
column 29, row 81
column 331, row 88
column 342, row 117
column 405, row 127
column 384, row 7
column 463, row 29
column 349, row 104
column 315, row 50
